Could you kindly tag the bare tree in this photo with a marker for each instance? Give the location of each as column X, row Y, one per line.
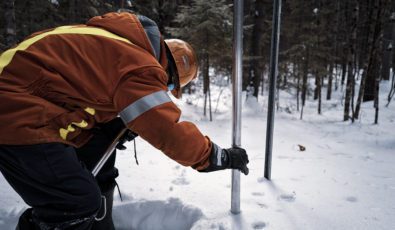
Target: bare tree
column 351, row 60
column 305, row 75
column 370, row 81
column 255, row 72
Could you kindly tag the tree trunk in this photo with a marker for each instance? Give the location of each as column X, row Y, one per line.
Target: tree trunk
column 317, row 79
column 304, row 84
column 206, row 80
column 351, row 65
column 392, row 89
column 297, row 86
column 370, row 89
column 209, row 104
column 285, row 81
column 372, row 46
column 386, row 58
column 256, row 47
column 10, row 24
column 336, row 77
column 277, row 93
column 330, row 80
column 345, row 46
column 381, row 8
column 262, row 82
column 388, row 43
column 347, row 98
column 336, row 47
column 319, row 94
column 344, row 68
column 205, row 104
column 376, row 98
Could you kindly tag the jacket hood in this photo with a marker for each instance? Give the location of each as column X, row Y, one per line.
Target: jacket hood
column 128, row 26
column 125, row 25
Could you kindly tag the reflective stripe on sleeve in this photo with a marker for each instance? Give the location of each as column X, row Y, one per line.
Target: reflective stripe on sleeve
column 219, row 156
column 218, row 153
column 142, row 105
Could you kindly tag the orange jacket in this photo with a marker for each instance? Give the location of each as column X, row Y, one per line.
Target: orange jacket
column 57, row 84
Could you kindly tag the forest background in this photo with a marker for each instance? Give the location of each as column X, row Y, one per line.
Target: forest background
column 326, row 45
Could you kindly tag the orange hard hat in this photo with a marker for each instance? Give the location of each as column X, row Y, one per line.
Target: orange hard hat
column 185, row 60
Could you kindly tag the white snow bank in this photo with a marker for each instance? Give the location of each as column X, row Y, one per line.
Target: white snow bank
column 164, row 215
column 140, row 214
column 8, row 220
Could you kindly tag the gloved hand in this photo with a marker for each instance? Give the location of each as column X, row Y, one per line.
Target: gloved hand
column 232, row 158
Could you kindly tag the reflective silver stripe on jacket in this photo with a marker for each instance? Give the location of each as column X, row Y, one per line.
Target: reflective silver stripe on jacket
column 142, row 105
column 218, row 154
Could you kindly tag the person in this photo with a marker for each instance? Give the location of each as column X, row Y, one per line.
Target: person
column 67, row 92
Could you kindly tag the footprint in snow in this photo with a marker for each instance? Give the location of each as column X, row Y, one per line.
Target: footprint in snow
column 259, row 225
column 257, row 193
column 339, row 154
column 287, row 197
column 351, row 199
column 177, row 167
column 180, row 181
column 219, row 226
column 262, row 205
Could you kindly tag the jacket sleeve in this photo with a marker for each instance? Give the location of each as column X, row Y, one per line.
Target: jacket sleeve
column 159, row 122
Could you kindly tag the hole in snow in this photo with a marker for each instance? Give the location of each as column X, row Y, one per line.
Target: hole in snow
column 165, row 215
column 259, row 225
column 352, row 199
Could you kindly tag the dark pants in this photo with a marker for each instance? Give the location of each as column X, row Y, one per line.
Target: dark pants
column 56, row 180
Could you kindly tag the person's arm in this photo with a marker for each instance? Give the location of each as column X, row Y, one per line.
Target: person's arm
column 147, row 110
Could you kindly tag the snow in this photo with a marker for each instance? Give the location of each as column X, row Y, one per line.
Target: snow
column 169, row 215
column 345, row 178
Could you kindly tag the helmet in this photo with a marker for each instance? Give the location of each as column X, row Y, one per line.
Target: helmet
column 185, row 61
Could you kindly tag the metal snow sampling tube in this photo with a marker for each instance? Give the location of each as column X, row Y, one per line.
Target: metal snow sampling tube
column 272, row 87
column 237, row 71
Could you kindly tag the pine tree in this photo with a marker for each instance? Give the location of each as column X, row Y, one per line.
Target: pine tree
column 162, row 12
column 209, row 32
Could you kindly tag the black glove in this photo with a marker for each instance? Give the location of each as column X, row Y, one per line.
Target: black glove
column 232, row 158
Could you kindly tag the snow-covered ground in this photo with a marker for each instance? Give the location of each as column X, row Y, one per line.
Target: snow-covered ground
column 345, row 179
